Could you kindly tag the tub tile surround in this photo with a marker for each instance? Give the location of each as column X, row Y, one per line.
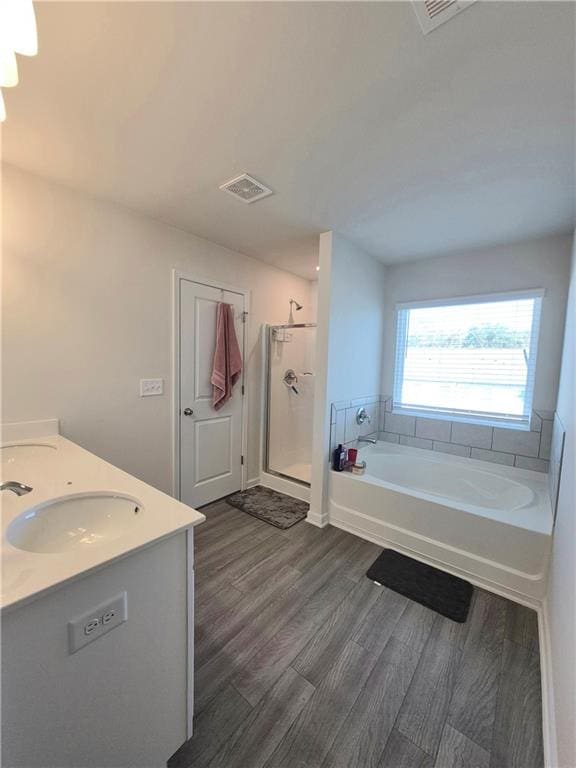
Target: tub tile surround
column 545, row 445
column 403, row 425
column 343, row 427
column 517, row 442
column 496, row 457
column 556, row 456
column 433, row 429
column 472, row 435
column 496, row 445
column 452, row 448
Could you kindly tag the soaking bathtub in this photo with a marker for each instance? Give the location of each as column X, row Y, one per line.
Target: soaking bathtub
column 489, row 523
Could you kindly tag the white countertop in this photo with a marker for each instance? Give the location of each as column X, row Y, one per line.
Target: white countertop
column 71, row 470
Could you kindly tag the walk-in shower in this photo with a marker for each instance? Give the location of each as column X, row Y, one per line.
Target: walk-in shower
column 290, row 400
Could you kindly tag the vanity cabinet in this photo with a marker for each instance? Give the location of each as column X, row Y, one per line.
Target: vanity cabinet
column 125, row 698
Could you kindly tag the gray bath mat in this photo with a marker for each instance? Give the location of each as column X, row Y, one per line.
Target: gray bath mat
column 268, row 505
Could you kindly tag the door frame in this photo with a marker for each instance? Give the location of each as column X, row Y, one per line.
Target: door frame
column 267, row 355
column 177, row 276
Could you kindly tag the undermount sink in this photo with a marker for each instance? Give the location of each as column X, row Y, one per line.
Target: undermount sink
column 74, row 522
column 23, row 451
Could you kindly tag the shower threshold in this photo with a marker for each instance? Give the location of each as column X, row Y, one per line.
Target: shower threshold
column 300, row 472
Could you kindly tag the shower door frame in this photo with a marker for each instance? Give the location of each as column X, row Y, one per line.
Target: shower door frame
column 266, row 462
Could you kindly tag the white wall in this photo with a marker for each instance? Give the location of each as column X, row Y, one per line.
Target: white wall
column 356, row 322
column 87, row 313
column 541, row 263
column 349, row 343
column 561, row 601
column 314, row 298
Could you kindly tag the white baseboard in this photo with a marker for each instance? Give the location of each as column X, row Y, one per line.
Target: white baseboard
column 319, row 520
column 253, row 482
column 546, row 680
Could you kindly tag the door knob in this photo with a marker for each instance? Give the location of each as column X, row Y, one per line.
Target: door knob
column 188, row 412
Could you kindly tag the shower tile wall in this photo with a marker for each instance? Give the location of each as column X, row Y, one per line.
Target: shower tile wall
column 514, row 448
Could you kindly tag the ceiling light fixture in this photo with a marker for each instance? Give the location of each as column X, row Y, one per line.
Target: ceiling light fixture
column 17, row 35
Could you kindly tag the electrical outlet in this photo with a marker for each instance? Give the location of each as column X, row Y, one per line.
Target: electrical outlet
column 149, row 387
column 91, row 626
column 97, row 622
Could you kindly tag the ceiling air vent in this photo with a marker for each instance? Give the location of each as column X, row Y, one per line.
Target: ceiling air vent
column 246, row 188
column 432, row 13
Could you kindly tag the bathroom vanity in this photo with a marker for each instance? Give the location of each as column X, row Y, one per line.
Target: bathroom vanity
column 97, row 610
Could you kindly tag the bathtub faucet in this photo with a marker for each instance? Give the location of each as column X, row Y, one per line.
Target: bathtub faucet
column 363, row 439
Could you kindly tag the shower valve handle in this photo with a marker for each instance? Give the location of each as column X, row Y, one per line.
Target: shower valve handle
column 290, row 378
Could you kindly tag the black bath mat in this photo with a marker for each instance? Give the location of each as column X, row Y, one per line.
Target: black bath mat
column 268, row 505
column 442, row 592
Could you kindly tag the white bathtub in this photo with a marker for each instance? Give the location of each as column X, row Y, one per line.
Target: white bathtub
column 486, row 522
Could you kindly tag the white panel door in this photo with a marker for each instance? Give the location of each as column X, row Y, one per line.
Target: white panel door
column 210, row 440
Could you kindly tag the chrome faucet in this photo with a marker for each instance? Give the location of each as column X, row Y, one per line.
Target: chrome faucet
column 18, row 488
column 363, row 439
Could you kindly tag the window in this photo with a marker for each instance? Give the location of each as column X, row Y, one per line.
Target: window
column 468, row 359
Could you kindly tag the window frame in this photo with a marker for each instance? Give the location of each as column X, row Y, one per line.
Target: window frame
column 468, row 417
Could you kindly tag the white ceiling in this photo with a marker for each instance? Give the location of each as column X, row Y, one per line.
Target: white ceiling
column 410, row 145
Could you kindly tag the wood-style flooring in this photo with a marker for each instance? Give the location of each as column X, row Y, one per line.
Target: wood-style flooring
column 302, row 662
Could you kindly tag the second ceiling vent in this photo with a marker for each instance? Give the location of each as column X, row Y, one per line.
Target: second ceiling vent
column 246, row 188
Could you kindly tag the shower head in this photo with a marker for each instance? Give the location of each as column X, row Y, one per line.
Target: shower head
column 298, row 306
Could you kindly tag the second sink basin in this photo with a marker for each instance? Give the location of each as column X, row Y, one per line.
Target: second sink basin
column 74, row 522
column 23, row 451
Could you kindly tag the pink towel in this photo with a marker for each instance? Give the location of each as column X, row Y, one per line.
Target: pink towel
column 227, row 365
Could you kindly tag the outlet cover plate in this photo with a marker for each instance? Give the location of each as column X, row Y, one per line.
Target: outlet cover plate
column 97, row 622
column 150, row 387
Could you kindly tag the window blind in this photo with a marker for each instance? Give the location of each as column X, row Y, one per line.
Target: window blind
column 469, row 359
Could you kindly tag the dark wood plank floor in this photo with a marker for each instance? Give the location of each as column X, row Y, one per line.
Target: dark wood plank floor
column 302, row 662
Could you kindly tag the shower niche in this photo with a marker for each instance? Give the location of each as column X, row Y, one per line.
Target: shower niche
column 290, row 400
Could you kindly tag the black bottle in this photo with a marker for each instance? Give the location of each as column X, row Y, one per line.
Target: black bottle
column 338, row 458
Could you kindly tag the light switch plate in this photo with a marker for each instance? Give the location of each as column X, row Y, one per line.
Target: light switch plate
column 150, row 387
column 97, row 622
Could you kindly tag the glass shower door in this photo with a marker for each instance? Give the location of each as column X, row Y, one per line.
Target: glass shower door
column 290, row 400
